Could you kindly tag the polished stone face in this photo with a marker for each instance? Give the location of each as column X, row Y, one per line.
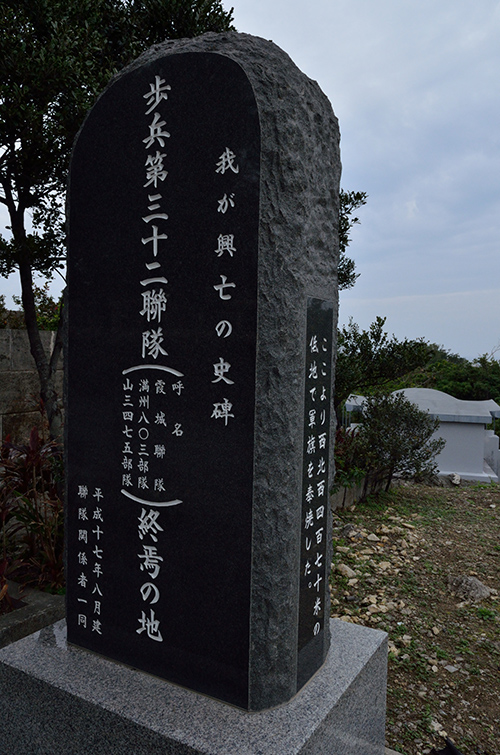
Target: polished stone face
column 164, row 217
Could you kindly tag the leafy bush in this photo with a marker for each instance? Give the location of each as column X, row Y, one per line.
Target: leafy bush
column 31, row 513
column 395, row 438
column 349, row 462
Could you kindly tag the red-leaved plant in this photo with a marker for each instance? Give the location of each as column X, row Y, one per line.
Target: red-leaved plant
column 31, row 513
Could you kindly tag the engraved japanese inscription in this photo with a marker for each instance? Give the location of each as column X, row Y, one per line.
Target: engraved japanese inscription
column 163, row 217
column 316, row 445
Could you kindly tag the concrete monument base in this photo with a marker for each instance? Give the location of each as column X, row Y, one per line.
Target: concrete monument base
column 58, row 698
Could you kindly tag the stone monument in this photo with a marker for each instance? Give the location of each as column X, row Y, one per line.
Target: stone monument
column 202, row 219
column 203, row 226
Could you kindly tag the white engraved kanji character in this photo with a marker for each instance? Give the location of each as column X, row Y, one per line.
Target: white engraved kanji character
column 317, row 582
column 309, row 493
column 147, row 588
column 144, row 385
column 151, row 560
column 127, row 463
column 322, row 440
column 312, row 417
column 97, row 607
column 128, row 386
column 96, row 626
column 128, row 416
column 320, row 512
column 321, row 466
column 220, row 369
column 97, row 570
column 311, row 444
column 225, row 243
column 319, row 535
column 160, row 419
column 155, row 215
column 317, row 607
column 83, row 491
column 153, row 304
column 224, row 328
column 160, row 387
column 313, row 344
column 148, row 524
column 159, row 451
column 82, row 535
column 127, row 480
column 226, row 162
column 225, row 203
column 155, row 170
column 143, row 418
column 222, row 411
column 159, row 486
column 158, row 92
column 82, row 620
column 143, row 465
column 221, row 286
column 98, row 494
column 98, row 514
column 82, row 514
column 178, row 429
column 321, row 487
column 127, row 401
column 151, row 343
column 127, row 431
column 155, row 132
column 82, row 580
column 97, row 552
column 154, row 238
column 82, row 558
column 309, row 520
column 96, row 590
column 142, row 483
column 151, row 626
column 313, row 371
column 177, row 387
column 97, row 532
column 127, row 448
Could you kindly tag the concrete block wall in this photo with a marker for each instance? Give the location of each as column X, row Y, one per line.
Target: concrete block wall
column 19, row 384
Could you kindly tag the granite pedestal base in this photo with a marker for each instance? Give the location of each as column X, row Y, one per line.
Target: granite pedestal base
column 61, row 699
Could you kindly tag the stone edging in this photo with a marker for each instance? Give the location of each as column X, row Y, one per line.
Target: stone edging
column 41, row 609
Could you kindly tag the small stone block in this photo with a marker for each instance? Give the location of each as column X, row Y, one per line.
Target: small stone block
column 107, row 708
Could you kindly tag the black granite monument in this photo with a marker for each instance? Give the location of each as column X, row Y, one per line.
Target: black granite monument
column 203, row 208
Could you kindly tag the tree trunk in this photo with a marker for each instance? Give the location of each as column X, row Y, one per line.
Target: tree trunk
column 45, row 366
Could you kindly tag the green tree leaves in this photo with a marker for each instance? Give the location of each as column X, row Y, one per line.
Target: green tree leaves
column 370, row 359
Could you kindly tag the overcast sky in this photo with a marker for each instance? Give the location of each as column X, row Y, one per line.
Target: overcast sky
column 415, row 85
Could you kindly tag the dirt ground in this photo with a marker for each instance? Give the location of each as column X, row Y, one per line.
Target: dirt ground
column 392, row 560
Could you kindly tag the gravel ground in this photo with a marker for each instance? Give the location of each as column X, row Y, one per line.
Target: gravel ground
column 393, row 560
